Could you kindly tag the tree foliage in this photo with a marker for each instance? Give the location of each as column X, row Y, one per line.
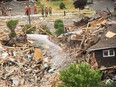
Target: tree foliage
column 11, row 24
column 80, row 4
column 27, row 30
column 80, row 75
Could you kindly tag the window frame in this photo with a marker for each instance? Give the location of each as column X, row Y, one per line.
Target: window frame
column 109, row 54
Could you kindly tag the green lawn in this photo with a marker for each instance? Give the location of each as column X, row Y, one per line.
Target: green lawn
column 55, row 4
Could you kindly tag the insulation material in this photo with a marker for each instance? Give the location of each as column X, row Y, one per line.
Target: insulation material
column 110, row 34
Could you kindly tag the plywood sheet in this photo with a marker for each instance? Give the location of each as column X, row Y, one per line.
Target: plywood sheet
column 37, row 54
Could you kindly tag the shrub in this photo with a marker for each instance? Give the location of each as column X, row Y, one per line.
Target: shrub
column 11, row 24
column 59, row 26
column 58, row 23
column 12, row 34
column 59, row 31
column 80, row 75
column 30, row 31
column 62, row 5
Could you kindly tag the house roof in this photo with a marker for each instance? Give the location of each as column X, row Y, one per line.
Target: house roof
column 108, row 40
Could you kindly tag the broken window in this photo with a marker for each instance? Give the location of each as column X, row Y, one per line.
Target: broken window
column 109, row 53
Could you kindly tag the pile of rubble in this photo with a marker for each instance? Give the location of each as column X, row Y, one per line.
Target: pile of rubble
column 23, row 66
column 29, row 67
column 18, row 73
column 86, row 33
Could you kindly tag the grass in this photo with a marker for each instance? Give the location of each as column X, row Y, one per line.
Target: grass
column 39, row 5
column 55, row 4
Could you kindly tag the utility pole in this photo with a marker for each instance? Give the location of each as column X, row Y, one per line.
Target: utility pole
column 28, row 12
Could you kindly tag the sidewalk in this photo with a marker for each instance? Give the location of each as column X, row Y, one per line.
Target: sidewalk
column 19, row 16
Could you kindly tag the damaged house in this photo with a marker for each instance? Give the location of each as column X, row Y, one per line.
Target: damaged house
column 105, row 50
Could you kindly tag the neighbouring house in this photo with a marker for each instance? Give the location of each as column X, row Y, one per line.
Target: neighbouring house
column 105, row 50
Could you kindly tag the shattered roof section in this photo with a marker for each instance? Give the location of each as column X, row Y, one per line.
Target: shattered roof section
column 108, row 40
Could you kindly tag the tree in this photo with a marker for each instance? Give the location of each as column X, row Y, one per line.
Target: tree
column 11, row 24
column 80, row 4
column 80, row 75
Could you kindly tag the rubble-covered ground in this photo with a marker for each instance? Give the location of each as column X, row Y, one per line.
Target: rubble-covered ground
column 19, row 69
